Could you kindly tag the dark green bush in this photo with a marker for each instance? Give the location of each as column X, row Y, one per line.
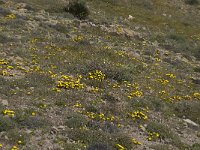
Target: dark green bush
column 78, row 9
column 195, row 146
column 75, row 120
column 191, row 2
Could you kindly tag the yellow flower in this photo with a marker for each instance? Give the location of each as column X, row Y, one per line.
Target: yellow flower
column 149, row 138
column 197, row 95
column 8, row 112
column 120, row 147
column 11, row 16
column 33, row 113
column 135, row 94
column 14, row 148
column 136, row 142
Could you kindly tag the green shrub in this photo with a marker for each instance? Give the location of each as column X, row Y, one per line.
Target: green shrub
column 78, row 9
column 191, row 2
column 110, row 128
column 195, row 146
column 197, row 69
column 6, row 124
column 75, row 120
column 14, row 136
column 109, row 97
column 30, row 122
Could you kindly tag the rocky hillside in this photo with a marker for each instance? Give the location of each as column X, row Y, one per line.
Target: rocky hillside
column 100, row 75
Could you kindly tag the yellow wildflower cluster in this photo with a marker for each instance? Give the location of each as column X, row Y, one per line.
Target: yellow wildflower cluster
column 100, row 116
column 135, row 94
column 107, row 47
column 120, row 147
column 176, row 97
column 91, row 115
column 131, row 85
column 78, row 105
column 11, row 16
column 6, row 73
column 68, row 82
column 162, row 92
column 8, row 112
column 153, row 136
column 1, row 145
column 171, row 75
column 3, row 62
column 164, row 82
column 78, row 38
column 97, row 75
column 196, row 95
column 14, row 148
column 139, row 115
column 136, row 142
column 122, row 53
column 116, row 85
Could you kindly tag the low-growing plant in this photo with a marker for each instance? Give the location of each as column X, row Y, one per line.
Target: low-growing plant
column 6, row 123
column 195, row 146
column 30, row 122
column 78, row 9
column 110, row 128
column 191, row 2
column 15, row 136
column 76, row 121
column 197, row 69
column 91, row 108
column 109, row 97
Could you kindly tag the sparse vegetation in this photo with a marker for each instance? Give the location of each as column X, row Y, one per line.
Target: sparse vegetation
column 99, row 75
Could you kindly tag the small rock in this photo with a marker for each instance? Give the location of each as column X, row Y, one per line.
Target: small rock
column 191, row 123
column 130, row 17
column 128, row 32
column 61, row 127
column 4, row 102
column 54, row 130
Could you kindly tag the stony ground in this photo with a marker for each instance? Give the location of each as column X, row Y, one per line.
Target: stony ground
column 125, row 78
